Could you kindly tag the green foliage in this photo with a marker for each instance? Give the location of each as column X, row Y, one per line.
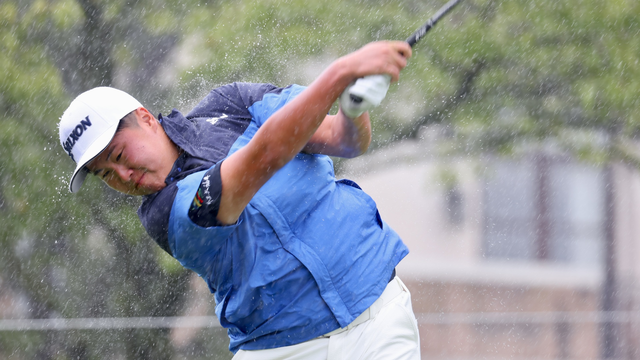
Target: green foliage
column 81, row 255
column 501, row 72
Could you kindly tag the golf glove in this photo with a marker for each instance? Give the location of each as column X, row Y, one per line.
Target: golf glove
column 364, row 94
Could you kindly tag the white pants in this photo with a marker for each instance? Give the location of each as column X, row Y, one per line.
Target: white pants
column 391, row 333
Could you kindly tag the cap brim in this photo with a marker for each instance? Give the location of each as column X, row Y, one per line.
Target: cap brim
column 80, row 173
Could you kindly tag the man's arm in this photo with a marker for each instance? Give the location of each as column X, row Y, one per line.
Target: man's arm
column 339, row 135
column 289, row 129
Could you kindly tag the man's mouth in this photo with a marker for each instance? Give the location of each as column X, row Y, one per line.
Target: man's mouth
column 137, row 185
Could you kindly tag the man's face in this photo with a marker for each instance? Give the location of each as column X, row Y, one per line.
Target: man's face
column 138, row 158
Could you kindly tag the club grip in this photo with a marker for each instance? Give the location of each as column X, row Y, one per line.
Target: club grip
column 364, row 94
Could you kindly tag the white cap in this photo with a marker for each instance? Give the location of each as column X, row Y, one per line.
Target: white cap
column 89, row 124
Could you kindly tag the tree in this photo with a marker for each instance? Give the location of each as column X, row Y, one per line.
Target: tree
column 557, row 68
column 70, row 255
column 497, row 77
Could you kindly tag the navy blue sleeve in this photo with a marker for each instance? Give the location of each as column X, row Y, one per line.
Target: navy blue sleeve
column 231, row 100
column 155, row 211
column 206, row 202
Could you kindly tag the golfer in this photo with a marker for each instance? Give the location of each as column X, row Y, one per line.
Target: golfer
column 241, row 191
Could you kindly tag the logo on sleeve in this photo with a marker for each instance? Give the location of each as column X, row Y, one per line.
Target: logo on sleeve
column 203, row 196
column 75, row 135
column 197, row 200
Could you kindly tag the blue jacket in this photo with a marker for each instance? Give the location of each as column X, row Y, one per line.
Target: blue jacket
column 308, row 254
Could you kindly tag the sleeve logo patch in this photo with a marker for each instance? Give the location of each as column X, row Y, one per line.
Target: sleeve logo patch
column 203, row 196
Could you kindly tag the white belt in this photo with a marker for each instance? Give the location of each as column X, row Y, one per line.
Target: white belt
column 394, row 288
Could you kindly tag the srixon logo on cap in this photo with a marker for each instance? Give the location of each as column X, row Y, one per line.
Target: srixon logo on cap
column 75, row 135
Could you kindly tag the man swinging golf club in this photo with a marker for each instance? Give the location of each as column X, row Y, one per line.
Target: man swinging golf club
column 241, row 191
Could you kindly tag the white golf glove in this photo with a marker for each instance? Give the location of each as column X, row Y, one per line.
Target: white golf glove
column 370, row 90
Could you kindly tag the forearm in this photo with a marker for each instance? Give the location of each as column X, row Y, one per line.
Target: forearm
column 356, row 134
column 277, row 141
column 289, row 129
column 341, row 136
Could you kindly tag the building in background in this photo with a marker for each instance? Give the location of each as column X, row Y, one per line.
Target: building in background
column 508, row 255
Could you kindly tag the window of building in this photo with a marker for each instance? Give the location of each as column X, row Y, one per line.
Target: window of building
column 543, row 208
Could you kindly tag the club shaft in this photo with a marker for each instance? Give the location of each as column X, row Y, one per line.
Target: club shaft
column 419, row 34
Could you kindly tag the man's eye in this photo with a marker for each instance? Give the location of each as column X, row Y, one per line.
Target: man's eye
column 104, row 176
column 119, row 156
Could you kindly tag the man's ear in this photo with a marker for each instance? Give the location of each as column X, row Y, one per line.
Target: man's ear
column 145, row 118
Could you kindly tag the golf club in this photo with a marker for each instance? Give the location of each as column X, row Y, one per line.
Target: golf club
column 412, row 40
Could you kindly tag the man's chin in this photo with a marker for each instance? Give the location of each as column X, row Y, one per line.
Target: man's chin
column 142, row 191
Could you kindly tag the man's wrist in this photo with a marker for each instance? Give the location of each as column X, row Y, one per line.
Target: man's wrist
column 344, row 74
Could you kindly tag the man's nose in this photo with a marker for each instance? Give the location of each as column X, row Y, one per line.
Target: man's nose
column 123, row 172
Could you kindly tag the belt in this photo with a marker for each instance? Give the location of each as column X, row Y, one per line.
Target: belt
column 393, row 289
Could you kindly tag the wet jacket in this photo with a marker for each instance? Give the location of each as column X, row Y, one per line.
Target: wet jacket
column 308, row 254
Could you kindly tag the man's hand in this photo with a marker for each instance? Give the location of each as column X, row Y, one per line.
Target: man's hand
column 382, row 57
column 368, row 90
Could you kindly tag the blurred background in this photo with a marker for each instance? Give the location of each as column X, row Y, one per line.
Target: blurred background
column 506, row 157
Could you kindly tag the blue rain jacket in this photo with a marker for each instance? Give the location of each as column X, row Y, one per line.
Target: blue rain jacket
column 308, row 254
